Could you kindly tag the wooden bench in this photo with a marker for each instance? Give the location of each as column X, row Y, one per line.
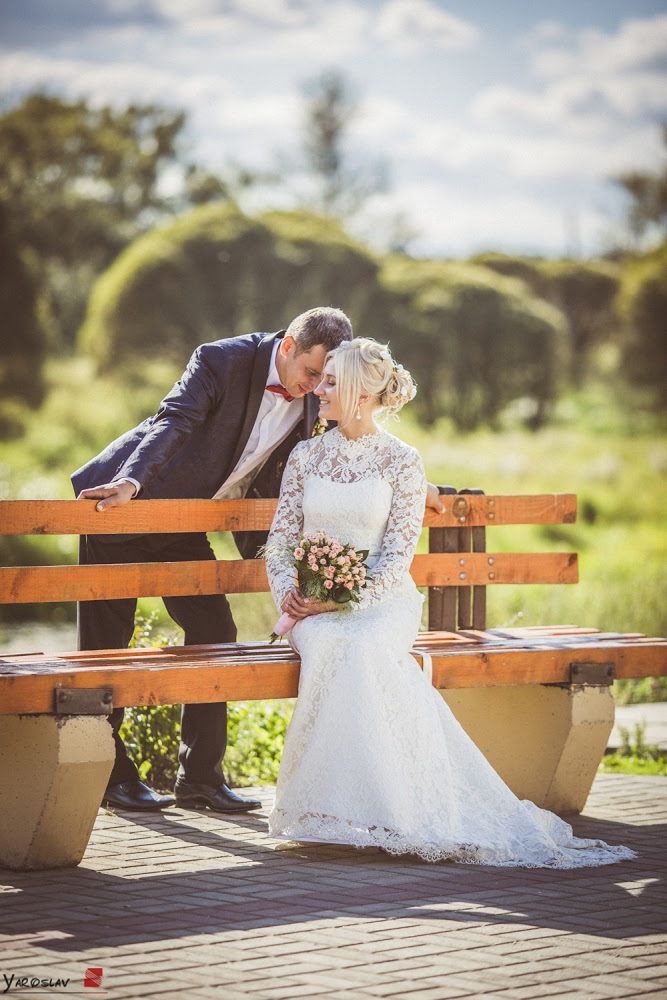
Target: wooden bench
column 537, row 701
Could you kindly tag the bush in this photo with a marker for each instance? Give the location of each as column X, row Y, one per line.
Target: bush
column 584, row 291
column 256, row 733
column 22, row 341
column 476, row 341
column 152, row 735
column 643, row 306
column 641, row 691
column 635, row 756
column 217, row 273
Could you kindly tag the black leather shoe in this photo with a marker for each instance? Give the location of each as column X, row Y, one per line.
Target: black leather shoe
column 135, row 794
column 190, row 795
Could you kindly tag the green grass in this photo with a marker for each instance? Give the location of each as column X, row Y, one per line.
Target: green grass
column 615, row 764
column 635, row 756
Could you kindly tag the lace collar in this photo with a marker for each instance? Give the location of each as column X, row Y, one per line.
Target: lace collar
column 343, row 443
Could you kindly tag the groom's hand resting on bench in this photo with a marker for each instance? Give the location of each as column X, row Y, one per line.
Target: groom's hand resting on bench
column 110, row 495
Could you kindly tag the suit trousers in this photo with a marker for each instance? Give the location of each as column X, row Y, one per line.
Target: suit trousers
column 204, row 619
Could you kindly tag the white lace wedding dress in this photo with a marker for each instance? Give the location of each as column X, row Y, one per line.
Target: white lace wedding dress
column 373, row 755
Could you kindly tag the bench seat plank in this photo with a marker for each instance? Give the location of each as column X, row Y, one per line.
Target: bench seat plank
column 237, row 673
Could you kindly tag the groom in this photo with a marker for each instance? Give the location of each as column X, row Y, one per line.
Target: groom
column 224, row 430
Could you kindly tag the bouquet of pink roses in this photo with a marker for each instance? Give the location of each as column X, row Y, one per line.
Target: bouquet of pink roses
column 326, row 570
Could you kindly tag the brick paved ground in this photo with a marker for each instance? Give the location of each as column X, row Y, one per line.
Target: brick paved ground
column 192, row 905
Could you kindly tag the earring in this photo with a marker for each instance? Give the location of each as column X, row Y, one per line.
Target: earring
column 359, row 413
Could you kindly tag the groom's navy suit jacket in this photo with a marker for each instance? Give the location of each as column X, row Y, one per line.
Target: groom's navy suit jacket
column 192, row 444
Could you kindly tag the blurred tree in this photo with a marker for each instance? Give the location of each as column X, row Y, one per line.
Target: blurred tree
column 475, row 341
column 78, row 183
column 202, row 187
column 527, row 269
column 341, row 189
column 584, row 291
column 648, row 194
column 22, row 343
column 643, row 306
column 216, row 272
column 586, row 294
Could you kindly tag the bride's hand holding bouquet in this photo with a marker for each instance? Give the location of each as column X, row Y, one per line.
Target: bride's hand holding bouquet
column 329, row 573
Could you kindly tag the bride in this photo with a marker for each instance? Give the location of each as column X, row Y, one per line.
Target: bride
column 373, row 755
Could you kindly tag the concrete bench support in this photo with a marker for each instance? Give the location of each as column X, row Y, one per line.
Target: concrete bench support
column 545, row 741
column 53, row 773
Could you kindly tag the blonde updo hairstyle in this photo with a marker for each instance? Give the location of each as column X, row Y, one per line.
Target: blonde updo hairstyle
column 365, row 367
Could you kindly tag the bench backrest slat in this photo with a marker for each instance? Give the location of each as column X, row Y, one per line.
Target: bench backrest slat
column 41, row 584
column 79, row 517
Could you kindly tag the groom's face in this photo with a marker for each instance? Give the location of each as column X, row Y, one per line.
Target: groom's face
column 301, row 371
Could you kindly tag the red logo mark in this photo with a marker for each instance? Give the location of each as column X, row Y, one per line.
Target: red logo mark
column 93, row 978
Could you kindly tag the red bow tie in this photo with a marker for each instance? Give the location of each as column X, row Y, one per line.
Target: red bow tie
column 281, row 391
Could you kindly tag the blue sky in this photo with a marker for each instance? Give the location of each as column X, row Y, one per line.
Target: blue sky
column 500, row 123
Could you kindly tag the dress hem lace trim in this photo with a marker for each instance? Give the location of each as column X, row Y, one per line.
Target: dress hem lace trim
column 579, row 853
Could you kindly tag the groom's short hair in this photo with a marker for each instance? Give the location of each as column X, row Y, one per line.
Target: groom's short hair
column 321, row 326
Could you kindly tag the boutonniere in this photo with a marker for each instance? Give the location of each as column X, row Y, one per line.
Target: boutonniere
column 319, row 427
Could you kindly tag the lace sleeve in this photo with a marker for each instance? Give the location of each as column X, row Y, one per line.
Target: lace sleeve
column 404, row 526
column 286, row 528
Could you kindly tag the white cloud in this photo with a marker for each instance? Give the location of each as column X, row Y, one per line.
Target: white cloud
column 575, row 106
column 276, row 13
column 461, row 223
column 282, row 30
column 543, row 31
column 598, row 81
column 515, row 156
column 225, row 121
column 638, row 46
column 409, row 25
column 325, row 32
column 114, row 83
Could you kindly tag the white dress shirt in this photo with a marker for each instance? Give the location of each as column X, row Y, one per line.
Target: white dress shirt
column 276, row 417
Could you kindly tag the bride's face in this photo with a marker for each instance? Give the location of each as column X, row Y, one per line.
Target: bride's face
column 328, row 393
